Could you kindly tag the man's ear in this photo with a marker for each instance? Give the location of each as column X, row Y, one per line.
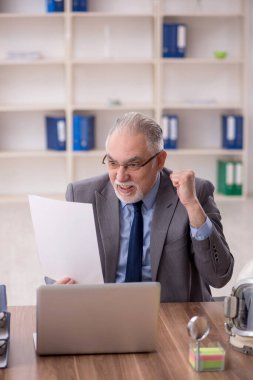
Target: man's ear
column 161, row 158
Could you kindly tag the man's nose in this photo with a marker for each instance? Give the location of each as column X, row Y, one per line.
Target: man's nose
column 122, row 173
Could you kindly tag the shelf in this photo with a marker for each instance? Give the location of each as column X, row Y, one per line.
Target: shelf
column 171, row 152
column 113, row 61
column 97, row 153
column 106, row 107
column 32, row 107
column 31, row 62
column 33, row 15
column 90, row 153
column 110, row 15
column 201, row 61
column 202, row 106
column 36, row 154
column 203, row 15
column 205, row 152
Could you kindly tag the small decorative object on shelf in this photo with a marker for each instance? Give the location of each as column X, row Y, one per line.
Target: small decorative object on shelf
column 113, row 102
column 220, row 54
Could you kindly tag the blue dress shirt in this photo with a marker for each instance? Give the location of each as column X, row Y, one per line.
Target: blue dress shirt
column 126, row 219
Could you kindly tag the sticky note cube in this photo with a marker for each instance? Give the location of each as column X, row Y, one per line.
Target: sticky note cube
column 208, row 359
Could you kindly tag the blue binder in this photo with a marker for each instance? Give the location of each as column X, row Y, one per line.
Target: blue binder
column 55, row 6
column 79, row 5
column 232, row 131
column 83, row 132
column 174, row 40
column 170, row 131
column 56, row 133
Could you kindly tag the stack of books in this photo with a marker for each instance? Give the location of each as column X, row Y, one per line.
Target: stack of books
column 230, row 177
column 174, row 40
column 170, row 131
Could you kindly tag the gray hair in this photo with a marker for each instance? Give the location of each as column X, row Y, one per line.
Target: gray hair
column 136, row 122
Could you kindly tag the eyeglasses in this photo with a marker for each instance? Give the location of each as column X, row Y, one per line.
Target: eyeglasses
column 130, row 166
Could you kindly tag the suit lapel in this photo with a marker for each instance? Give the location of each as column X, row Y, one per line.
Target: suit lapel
column 107, row 206
column 166, row 204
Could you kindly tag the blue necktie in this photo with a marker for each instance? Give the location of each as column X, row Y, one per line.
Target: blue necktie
column 134, row 258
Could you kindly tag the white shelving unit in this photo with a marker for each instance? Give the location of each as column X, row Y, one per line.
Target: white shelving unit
column 113, row 53
column 200, row 88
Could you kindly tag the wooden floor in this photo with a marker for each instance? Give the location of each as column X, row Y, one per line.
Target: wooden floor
column 19, row 266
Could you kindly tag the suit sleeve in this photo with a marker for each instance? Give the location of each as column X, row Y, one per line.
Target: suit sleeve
column 70, row 193
column 212, row 256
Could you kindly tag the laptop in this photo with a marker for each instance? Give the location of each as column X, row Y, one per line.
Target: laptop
column 101, row 318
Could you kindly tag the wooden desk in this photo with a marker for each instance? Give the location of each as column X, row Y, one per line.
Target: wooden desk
column 170, row 361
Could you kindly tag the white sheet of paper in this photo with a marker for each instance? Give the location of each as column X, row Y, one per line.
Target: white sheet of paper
column 66, row 239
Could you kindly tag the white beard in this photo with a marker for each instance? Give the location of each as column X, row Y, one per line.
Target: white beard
column 138, row 196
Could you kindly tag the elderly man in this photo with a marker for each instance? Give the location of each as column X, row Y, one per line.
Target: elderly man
column 153, row 224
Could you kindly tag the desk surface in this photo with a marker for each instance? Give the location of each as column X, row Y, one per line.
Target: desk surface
column 170, row 361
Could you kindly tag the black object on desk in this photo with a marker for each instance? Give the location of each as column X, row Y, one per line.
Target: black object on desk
column 5, row 318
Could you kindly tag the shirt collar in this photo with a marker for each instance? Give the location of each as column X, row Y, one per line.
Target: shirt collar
column 150, row 197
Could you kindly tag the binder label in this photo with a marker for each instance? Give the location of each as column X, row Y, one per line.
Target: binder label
column 165, row 127
column 181, row 36
column 238, row 173
column 230, row 173
column 231, row 128
column 61, row 131
column 173, row 128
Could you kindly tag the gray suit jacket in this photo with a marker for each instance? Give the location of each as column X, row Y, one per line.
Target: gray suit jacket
column 184, row 266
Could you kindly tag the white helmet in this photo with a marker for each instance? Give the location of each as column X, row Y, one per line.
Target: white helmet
column 238, row 309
